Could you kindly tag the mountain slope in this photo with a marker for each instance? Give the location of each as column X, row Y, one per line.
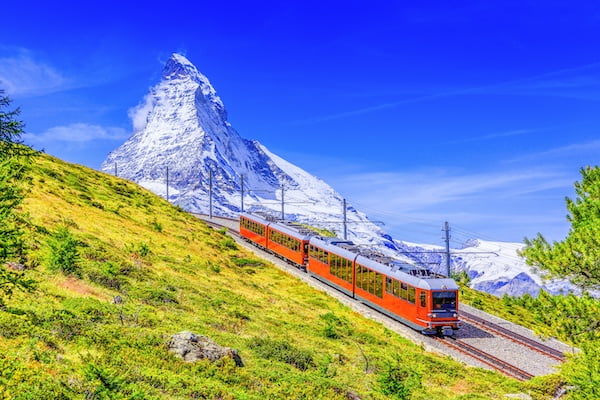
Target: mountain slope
column 72, row 339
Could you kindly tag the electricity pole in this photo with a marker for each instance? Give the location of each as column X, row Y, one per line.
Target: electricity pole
column 345, row 222
column 210, row 189
column 242, row 189
column 282, row 202
column 167, row 183
column 446, row 230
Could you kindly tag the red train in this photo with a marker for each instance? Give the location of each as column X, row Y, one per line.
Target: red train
column 419, row 298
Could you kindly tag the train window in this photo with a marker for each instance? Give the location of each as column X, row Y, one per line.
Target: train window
column 411, row 294
column 361, row 277
column 403, row 291
column 333, row 270
column 444, row 301
column 389, row 285
column 378, row 284
column 349, row 270
column 372, row 281
column 253, row 226
column 396, row 291
column 423, row 298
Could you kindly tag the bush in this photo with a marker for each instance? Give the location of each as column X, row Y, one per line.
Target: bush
column 282, row 351
column 64, row 255
column 336, row 327
column 228, row 243
column 157, row 226
column 108, row 276
column 398, row 379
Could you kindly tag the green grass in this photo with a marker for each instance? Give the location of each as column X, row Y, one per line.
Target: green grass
column 69, row 340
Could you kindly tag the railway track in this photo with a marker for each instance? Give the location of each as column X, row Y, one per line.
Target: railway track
column 515, row 337
column 485, row 358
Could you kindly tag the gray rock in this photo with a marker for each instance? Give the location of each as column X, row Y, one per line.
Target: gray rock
column 191, row 347
column 15, row 266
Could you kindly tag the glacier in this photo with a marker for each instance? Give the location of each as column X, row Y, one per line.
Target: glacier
column 183, row 145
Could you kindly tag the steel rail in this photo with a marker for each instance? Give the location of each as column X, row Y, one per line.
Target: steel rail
column 486, row 358
column 515, row 337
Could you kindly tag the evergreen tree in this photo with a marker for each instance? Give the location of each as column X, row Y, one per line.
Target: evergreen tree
column 14, row 157
column 574, row 318
column 576, row 258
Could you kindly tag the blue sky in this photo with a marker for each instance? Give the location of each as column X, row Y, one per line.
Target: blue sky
column 476, row 113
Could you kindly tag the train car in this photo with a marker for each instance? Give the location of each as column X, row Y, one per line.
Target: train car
column 332, row 260
column 282, row 238
column 254, row 228
column 290, row 241
column 416, row 297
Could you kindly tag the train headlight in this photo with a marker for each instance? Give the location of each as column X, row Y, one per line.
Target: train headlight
column 429, row 315
column 455, row 315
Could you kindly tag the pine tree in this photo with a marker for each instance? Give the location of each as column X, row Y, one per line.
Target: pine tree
column 576, row 258
column 14, row 157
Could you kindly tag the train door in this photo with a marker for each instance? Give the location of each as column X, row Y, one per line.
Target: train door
column 422, row 305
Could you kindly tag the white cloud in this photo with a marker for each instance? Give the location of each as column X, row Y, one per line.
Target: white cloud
column 575, row 151
column 505, row 204
column 139, row 113
column 408, row 192
column 76, row 133
column 22, row 75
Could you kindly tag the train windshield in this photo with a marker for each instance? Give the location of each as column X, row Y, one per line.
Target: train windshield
column 444, row 301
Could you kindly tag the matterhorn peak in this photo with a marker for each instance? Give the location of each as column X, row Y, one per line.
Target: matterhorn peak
column 178, row 66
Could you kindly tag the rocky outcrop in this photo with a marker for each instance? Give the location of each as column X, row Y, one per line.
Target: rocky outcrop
column 191, row 347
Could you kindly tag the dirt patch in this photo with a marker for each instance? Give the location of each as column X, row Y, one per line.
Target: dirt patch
column 77, row 286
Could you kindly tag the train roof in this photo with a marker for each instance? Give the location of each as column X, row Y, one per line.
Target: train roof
column 288, row 227
column 293, row 229
column 261, row 218
column 411, row 274
column 343, row 248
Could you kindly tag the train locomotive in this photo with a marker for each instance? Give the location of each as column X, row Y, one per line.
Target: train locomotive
column 419, row 298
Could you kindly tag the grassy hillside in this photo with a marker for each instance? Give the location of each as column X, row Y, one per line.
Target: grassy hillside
column 92, row 237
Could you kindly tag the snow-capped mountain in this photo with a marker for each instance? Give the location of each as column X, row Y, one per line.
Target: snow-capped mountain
column 493, row 267
column 183, row 145
column 182, row 126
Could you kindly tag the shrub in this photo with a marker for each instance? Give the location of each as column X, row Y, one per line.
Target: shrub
column 398, row 379
column 279, row 350
column 477, row 303
column 157, row 226
column 141, row 249
column 108, row 276
column 336, row 327
column 228, row 243
column 64, row 255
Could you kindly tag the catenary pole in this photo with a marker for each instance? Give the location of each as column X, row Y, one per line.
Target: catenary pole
column 446, row 230
column 282, row 203
column 167, row 183
column 242, row 190
column 210, row 189
column 345, row 222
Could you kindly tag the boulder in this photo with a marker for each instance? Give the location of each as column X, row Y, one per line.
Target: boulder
column 191, row 347
column 15, row 266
